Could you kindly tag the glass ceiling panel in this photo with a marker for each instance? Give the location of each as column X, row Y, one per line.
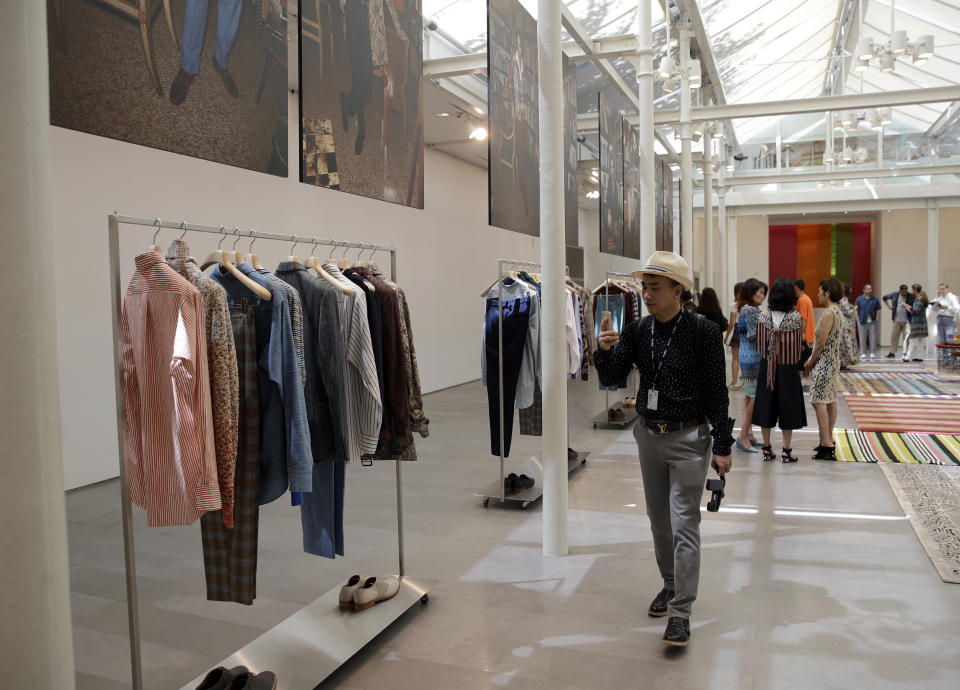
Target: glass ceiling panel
column 466, row 20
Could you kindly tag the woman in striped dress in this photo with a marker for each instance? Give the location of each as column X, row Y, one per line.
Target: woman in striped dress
column 779, row 390
column 851, row 346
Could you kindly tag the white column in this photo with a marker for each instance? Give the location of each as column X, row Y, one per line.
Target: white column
column 880, row 148
column 686, row 157
column 708, row 258
column 35, row 634
column 779, row 149
column 644, row 69
column 723, row 275
column 933, row 247
column 828, row 140
column 553, row 308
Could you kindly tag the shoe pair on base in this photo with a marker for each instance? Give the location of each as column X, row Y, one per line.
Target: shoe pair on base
column 513, row 484
column 677, row 633
column 360, row 594
column 238, row 678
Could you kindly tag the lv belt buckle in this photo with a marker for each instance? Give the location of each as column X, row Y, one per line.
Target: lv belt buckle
column 661, row 428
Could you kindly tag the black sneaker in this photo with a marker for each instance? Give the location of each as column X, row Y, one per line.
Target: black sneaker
column 890, row 355
column 677, row 633
column 658, row 607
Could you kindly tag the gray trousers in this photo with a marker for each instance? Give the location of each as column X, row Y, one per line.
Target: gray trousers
column 899, row 331
column 868, row 331
column 674, row 468
column 946, row 328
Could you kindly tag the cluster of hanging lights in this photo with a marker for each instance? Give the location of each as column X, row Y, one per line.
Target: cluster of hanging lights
column 899, row 46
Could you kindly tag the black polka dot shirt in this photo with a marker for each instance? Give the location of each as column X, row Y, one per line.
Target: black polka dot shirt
column 693, row 378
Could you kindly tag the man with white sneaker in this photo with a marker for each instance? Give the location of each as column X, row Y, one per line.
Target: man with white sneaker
column 682, row 394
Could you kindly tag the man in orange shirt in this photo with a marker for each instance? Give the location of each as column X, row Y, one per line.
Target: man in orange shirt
column 805, row 307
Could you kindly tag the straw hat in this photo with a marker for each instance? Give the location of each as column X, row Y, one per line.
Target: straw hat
column 669, row 265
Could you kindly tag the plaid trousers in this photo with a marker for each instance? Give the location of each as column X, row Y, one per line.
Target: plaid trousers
column 531, row 418
column 230, row 555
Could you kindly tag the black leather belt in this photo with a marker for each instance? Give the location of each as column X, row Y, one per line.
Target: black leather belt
column 669, row 427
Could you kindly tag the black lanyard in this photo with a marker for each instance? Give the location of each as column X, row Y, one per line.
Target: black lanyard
column 666, row 349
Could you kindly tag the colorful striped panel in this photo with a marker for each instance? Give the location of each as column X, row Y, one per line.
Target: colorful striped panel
column 892, row 383
column 905, row 413
column 910, row 448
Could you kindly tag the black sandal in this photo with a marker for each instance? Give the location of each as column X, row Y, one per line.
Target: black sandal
column 825, row 453
column 768, row 453
column 787, row 456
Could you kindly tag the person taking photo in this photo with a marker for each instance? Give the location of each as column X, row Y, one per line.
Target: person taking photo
column 682, row 394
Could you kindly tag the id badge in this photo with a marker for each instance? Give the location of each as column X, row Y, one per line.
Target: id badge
column 652, row 398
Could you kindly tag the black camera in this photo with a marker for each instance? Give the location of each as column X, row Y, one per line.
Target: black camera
column 716, row 486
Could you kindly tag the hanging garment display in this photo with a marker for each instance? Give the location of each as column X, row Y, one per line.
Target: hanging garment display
column 285, row 457
column 222, row 368
column 169, row 450
column 230, row 555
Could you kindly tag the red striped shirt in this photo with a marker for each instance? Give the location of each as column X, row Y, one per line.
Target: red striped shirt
column 168, row 423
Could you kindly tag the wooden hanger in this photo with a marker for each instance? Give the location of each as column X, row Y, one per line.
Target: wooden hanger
column 318, row 267
column 512, row 275
column 252, row 258
column 224, row 258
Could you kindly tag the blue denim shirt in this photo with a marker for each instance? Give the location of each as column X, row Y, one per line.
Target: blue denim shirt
column 285, row 455
column 867, row 307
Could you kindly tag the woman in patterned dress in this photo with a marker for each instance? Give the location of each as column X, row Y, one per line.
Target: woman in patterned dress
column 825, row 365
column 751, row 295
column 851, row 346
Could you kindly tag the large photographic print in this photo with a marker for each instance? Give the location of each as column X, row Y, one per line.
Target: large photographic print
column 201, row 78
column 631, row 191
column 571, row 152
column 361, row 98
column 665, row 196
column 611, row 183
column 514, row 142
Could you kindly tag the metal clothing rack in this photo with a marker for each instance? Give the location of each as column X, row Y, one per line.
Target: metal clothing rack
column 532, row 466
column 325, row 637
column 630, row 415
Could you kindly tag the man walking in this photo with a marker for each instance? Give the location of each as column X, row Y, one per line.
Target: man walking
column 805, row 307
column 898, row 303
column 867, row 307
column 682, row 394
column 946, row 307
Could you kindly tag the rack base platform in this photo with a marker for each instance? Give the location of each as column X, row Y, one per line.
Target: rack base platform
column 318, row 639
column 533, row 468
column 629, row 417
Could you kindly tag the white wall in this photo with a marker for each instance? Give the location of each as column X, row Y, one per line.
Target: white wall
column 446, row 256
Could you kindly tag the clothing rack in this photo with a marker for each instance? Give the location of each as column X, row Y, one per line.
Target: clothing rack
column 533, row 466
column 325, row 640
column 629, row 414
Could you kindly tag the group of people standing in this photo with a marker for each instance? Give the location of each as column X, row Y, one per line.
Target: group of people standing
column 908, row 312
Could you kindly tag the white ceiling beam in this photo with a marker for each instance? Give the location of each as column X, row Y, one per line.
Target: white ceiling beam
column 734, row 180
column 459, row 65
column 820, row 104
column 942, row 122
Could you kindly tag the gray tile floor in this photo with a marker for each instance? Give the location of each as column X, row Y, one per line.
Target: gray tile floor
column 787, row 601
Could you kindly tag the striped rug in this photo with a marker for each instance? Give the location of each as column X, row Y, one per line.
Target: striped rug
column 917, row 383
column 934, row 414
column 909, row 448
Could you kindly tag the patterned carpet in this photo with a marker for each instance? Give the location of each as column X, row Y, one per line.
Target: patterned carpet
column 930, row 496
column 904, row 413
column 913, row 383
column 908, row 448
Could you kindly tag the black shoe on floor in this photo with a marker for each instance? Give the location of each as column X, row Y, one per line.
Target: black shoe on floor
column 658, row 607
column 677, row 633
column 825, row 453
column 180, row 87
column 916, row 359
column 229, row 84
column 890, row 355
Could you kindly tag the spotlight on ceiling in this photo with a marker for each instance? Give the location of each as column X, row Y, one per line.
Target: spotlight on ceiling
column 898, row 42
column 886, row 116
column 666, row 68
column 479, row 134
column 696, row 78
column 887, row 62
column 443, row 114
column 917, row 58
column 925, row 46
column 865, row 49
column 862, row 65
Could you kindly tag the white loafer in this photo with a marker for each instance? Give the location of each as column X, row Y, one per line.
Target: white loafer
column 374, row 591
column 348, row 590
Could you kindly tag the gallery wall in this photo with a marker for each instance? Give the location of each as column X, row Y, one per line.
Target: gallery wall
column 446, row 255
